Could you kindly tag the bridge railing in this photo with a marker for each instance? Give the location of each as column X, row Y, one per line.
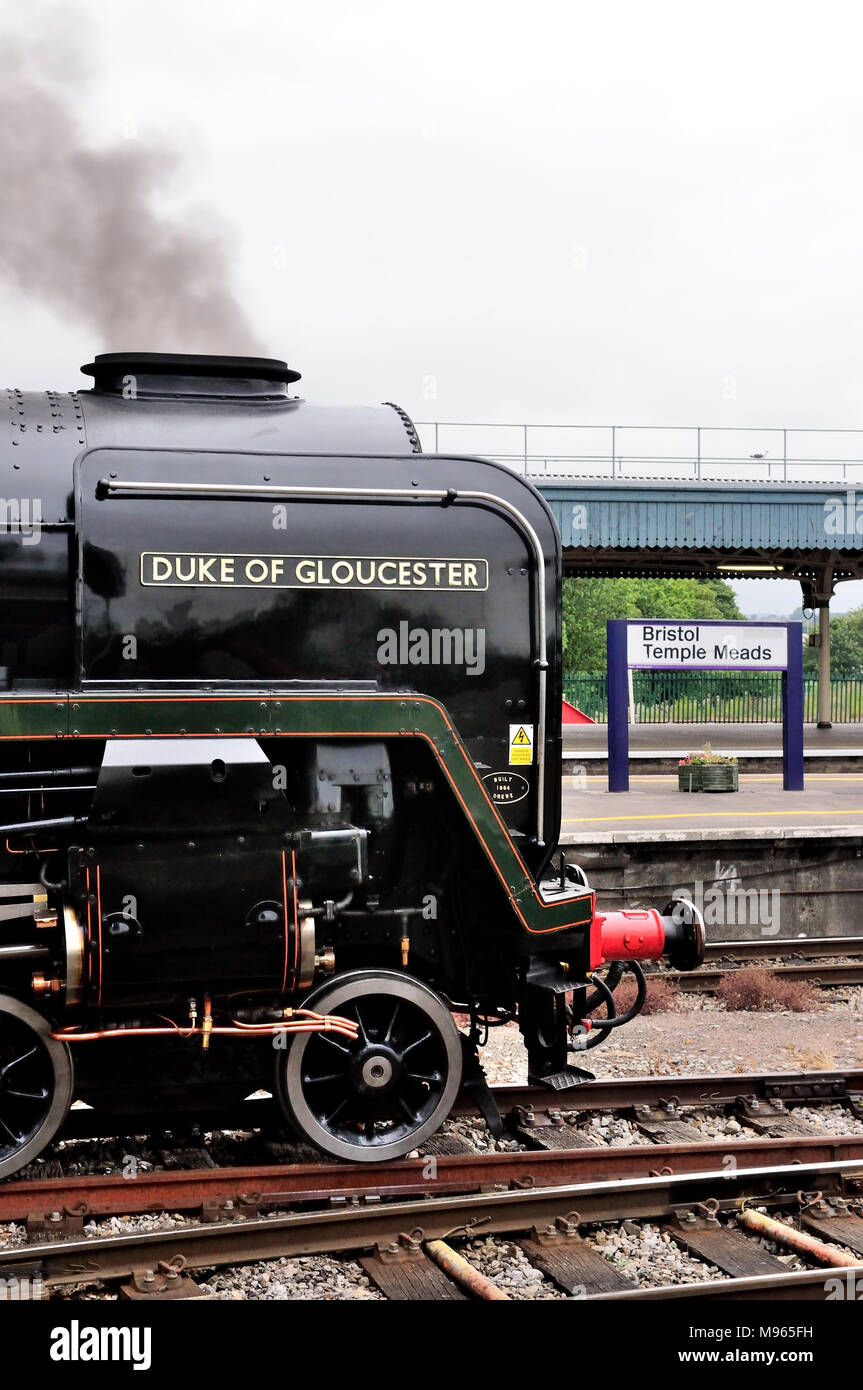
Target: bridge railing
column 713, row 697
column 716, row 453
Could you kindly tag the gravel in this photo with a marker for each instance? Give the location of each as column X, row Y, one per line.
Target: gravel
column 479, row 1138
column 125, row 1225
column 507, row 1266
column 307, row 1277
column 606, row 1129
column 702, row 1037
column 649, row 1256
column 12, row 1235
column 828, row 1119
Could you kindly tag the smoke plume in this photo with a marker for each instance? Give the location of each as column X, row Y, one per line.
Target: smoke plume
column 79, row 230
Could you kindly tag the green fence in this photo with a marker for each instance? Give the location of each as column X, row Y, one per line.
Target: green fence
column 713, row 697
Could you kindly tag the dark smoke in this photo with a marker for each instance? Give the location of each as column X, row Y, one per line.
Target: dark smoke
column 78, row 226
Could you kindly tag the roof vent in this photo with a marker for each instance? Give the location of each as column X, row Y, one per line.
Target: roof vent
column 180, row 374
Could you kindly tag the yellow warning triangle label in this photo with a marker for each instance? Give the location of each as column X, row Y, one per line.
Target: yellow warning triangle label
column 521, row 737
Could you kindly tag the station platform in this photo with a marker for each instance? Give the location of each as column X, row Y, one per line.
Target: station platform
column 760, row 862
column 654, row 809
column 657, row 747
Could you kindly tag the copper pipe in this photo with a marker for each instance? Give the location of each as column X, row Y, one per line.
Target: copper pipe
column 796, row 1240
column 464, row 1273
column 325, row 1024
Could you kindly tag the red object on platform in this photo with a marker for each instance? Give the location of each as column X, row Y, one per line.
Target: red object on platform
column 571, row 715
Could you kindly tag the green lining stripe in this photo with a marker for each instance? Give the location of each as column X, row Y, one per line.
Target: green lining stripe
column 179, row 714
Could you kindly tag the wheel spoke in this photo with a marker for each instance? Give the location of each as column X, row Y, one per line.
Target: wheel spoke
column 410, row 1115
column 392, row 1022
column 418, row 1043
column 29, row 1095
column 328, row 1119
column 16, row 1062
column 329, row 1076
column 432, row 1079
column 17, row 1139
column 364, row 1037
column 340, row 1047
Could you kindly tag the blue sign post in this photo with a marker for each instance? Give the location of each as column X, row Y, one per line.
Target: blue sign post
column 648, row 644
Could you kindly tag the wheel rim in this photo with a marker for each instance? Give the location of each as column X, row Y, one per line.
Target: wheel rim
column 380, row 1096
column 35, row 1084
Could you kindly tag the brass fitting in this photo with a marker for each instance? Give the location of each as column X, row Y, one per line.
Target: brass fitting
column 40, row 985
column 406, row 947
column 206, row 1023
column 325, row 960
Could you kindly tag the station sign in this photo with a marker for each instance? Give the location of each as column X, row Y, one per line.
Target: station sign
column 712, row 644
column 706, row 646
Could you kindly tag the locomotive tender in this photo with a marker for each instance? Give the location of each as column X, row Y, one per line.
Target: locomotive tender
column 280, row 758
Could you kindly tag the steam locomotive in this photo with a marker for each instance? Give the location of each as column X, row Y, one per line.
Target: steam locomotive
column 280, row 702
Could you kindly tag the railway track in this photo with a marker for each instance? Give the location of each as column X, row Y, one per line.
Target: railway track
column 770, row 948
column 553, row 1198
column 827, row 973
column 605, row 1093
column 809, row 1206
column 809, row 959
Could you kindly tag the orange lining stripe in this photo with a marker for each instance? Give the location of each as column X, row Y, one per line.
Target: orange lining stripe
column 99, row 915
column 89, row 930
column 296, row 918
column 285, row 907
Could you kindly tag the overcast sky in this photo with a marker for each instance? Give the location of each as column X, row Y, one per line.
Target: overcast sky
column 558, row 212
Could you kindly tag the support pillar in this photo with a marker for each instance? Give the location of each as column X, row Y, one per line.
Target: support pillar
column 824, row 687
column 618, row 699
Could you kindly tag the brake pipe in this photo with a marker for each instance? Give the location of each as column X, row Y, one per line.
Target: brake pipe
column 615, row 1019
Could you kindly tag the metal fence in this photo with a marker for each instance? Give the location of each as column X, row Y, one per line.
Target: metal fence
column 698, row 452
column 713, row 697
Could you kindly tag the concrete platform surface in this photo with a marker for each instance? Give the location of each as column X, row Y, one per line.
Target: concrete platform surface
column 654, row 809
column 765, row 740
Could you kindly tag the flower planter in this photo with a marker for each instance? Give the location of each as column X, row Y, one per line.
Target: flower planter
column 719, row 777
column 689, row 777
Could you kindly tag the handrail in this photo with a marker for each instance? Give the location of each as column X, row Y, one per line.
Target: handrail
column 768, row 454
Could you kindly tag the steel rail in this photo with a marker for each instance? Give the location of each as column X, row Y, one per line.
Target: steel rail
column 361, row 1227
column 604, row 1093
column 826, row 973
column 777, row 948
column 288, row 1185
column 802, row 1284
